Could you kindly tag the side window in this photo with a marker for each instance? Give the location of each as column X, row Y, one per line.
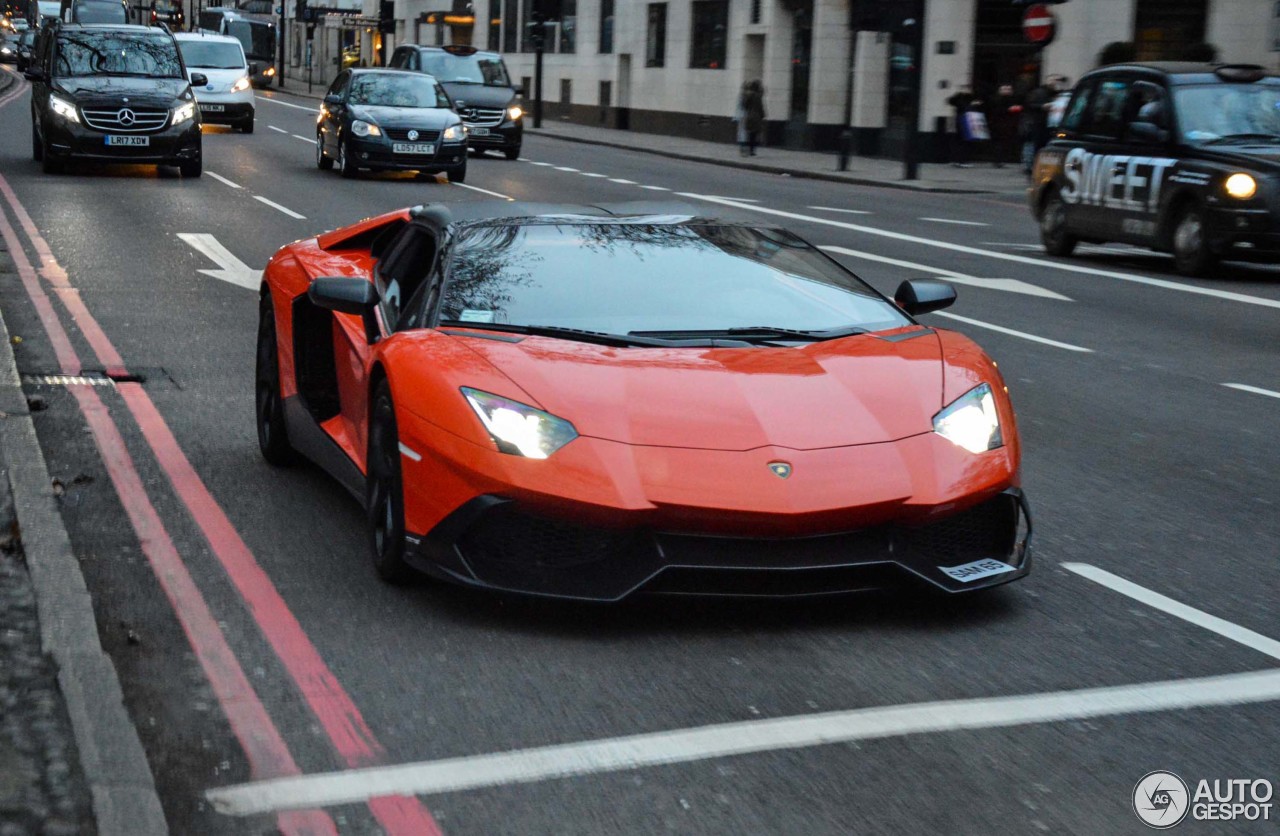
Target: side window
column 401, row 59
column 1107, row 110
column 1074, row 119
column 1149, row 103
column 339, row 86
column 403, row 271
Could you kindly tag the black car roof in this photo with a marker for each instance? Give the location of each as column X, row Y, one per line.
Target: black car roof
column 1176, row 72
column 435, row 48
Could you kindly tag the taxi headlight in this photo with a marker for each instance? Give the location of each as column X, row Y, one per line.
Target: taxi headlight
column 454, row 133
column 361, row 128
column 242, row 83
column 520, row 429
column 1241, row 186
column 183, row 112
column 971, row 421
column 515, row 112
column 63, row 108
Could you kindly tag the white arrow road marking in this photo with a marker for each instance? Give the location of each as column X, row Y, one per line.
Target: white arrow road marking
column 954, row 221
column 482, row 191
column 1011, row 285
column 231, row 269
column 277, row 130
column 274, row 100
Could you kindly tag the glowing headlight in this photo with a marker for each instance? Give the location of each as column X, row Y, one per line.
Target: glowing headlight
column 515, row 112
column 454, row 133
column 1242, row 186
column 63, row 108
column 520, row 429
column 362, row 128
column 242, row 83
column 971, row 422
column 183, row 112
column 270, row 72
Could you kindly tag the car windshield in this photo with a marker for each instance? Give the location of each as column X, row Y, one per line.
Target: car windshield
column 662, row 279
column 1213, row 112
column 466, row 69
column 397, row 90
column 212, row 55
column 113, row 53
column 110, row 12
column 49, row 8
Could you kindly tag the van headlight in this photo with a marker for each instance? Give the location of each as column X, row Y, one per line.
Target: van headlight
column 517, row 428
column 63, row 108
column 515, row 112
column 362, row 128
column 242, row 83
column 183, row 112
column 454, row 133
column 971, row 421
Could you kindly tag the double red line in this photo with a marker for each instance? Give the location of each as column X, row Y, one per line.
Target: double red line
column 264, row 747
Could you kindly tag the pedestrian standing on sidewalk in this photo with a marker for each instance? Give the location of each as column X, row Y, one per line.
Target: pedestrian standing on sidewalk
column 750, row 117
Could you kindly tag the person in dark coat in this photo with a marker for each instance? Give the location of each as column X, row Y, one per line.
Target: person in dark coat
column 750, row 117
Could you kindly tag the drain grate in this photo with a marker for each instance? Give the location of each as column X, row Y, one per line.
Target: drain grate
column 67, row 380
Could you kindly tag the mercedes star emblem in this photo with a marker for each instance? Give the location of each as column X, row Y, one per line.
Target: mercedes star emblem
column 125, row 116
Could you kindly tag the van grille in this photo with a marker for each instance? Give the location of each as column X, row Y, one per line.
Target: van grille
column 126, row 120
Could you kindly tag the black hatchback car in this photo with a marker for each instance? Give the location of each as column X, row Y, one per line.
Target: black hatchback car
column 388, row 120
column 480, row 88
column 113, row 94
column 1182, row 158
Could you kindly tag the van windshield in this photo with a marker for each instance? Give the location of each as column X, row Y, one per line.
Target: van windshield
column 1227, row 113
column 212, row 55
column 88, row 53
column 466, row 69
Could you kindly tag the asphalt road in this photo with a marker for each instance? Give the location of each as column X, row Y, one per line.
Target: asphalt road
column 1139, row 460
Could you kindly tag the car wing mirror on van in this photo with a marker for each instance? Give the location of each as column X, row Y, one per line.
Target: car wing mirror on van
column 199, row 79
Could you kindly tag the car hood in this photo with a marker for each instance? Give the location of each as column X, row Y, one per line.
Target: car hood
column 409, row 117
column 1266, row 157
column 478, row 95
column 112, row 90
column 857, row 390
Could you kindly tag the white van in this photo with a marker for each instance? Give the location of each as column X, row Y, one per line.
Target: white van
column 228, row 97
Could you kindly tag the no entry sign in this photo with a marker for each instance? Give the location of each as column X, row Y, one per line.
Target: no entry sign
column 1039, row 25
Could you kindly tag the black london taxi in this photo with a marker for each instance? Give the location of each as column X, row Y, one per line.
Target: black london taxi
column 1182, row 158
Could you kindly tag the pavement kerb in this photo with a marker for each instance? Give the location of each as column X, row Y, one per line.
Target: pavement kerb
column 7, row 80
column 124, row 798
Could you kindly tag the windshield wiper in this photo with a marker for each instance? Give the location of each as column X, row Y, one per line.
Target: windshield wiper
column 1244, row 138
column 758, row 332
column 599, row 337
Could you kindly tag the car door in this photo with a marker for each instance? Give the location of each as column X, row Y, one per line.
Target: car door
column 42, row 64
column 332, row 110
column 1099, row 168
column 1150, row 156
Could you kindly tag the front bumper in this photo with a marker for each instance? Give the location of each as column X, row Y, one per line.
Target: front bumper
column 377, row 153
column 171, row 146
column 1251, row 234
column 496, row 544
column 500, row 137
column 226, row 108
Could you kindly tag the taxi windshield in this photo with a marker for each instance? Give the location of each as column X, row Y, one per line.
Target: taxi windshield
column 1229, row 113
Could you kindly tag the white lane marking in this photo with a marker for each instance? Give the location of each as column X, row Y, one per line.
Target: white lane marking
column 1011, row 285
column 548, row 165
column 303, row 138
column 622, row 180
column 230, row 269
column 221, row 179
column 288, row 104
column 277, row 130
column 1244, row 387
column 1019, row 259
column 410, row 453
column 845, row 211
column 1200, row 618
column 564, row 168
column 952, row 221
column 280, row 208
column 740, row 738
column 591, row 174
column 657, row 189
column 483, row 191
column 977, row 323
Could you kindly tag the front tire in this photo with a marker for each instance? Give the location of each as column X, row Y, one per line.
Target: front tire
column 192, row 168
column 1054, row 236
column 346, row 165
column 247, row 126
column 459, row 174
column 273, row 435
column 384, row 491
column 1191, row 253
column 323, row 161
column 512, row 153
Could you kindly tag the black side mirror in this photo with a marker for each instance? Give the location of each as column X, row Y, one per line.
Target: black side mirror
column 333, row 99
column 199, row 79
column 519, row 89
column 33, row 74
column 348, row 295
column 1147, row 132
column 921, row 296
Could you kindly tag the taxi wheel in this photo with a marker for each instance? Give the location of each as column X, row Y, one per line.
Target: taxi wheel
column 1191, row 253
column 1053, row 228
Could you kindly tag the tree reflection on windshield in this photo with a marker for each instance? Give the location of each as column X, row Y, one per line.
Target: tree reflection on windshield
column 1211, row 112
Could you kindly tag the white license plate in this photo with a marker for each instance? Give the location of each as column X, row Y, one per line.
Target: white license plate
column 412, row 148
column 127, row 140
column 967, row 572
column 478, row 131
column 212, row 108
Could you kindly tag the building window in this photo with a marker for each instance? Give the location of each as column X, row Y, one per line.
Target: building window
column 495, row 25
column 655, row 51
column 606, row 26
column 566, row 91
column 568, row 26
column 510, row 26
column 710, row 31
column 755, row 11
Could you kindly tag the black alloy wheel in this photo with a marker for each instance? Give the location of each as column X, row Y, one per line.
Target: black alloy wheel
column 384, row 491
column 1054, row 236
column 512, row 153
column 459, row 174
column 1191, row 253
column 346, row 164
column 323, row 161
column 273, row 436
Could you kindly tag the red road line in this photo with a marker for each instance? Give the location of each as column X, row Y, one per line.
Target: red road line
column 259, row 738
column 329, row 701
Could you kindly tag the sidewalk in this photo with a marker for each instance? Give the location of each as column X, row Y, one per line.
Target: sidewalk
column 982, row 178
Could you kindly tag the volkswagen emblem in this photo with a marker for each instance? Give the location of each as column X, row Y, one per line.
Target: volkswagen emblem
column 126, row 117
column 413, row 136
column 780, row 469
